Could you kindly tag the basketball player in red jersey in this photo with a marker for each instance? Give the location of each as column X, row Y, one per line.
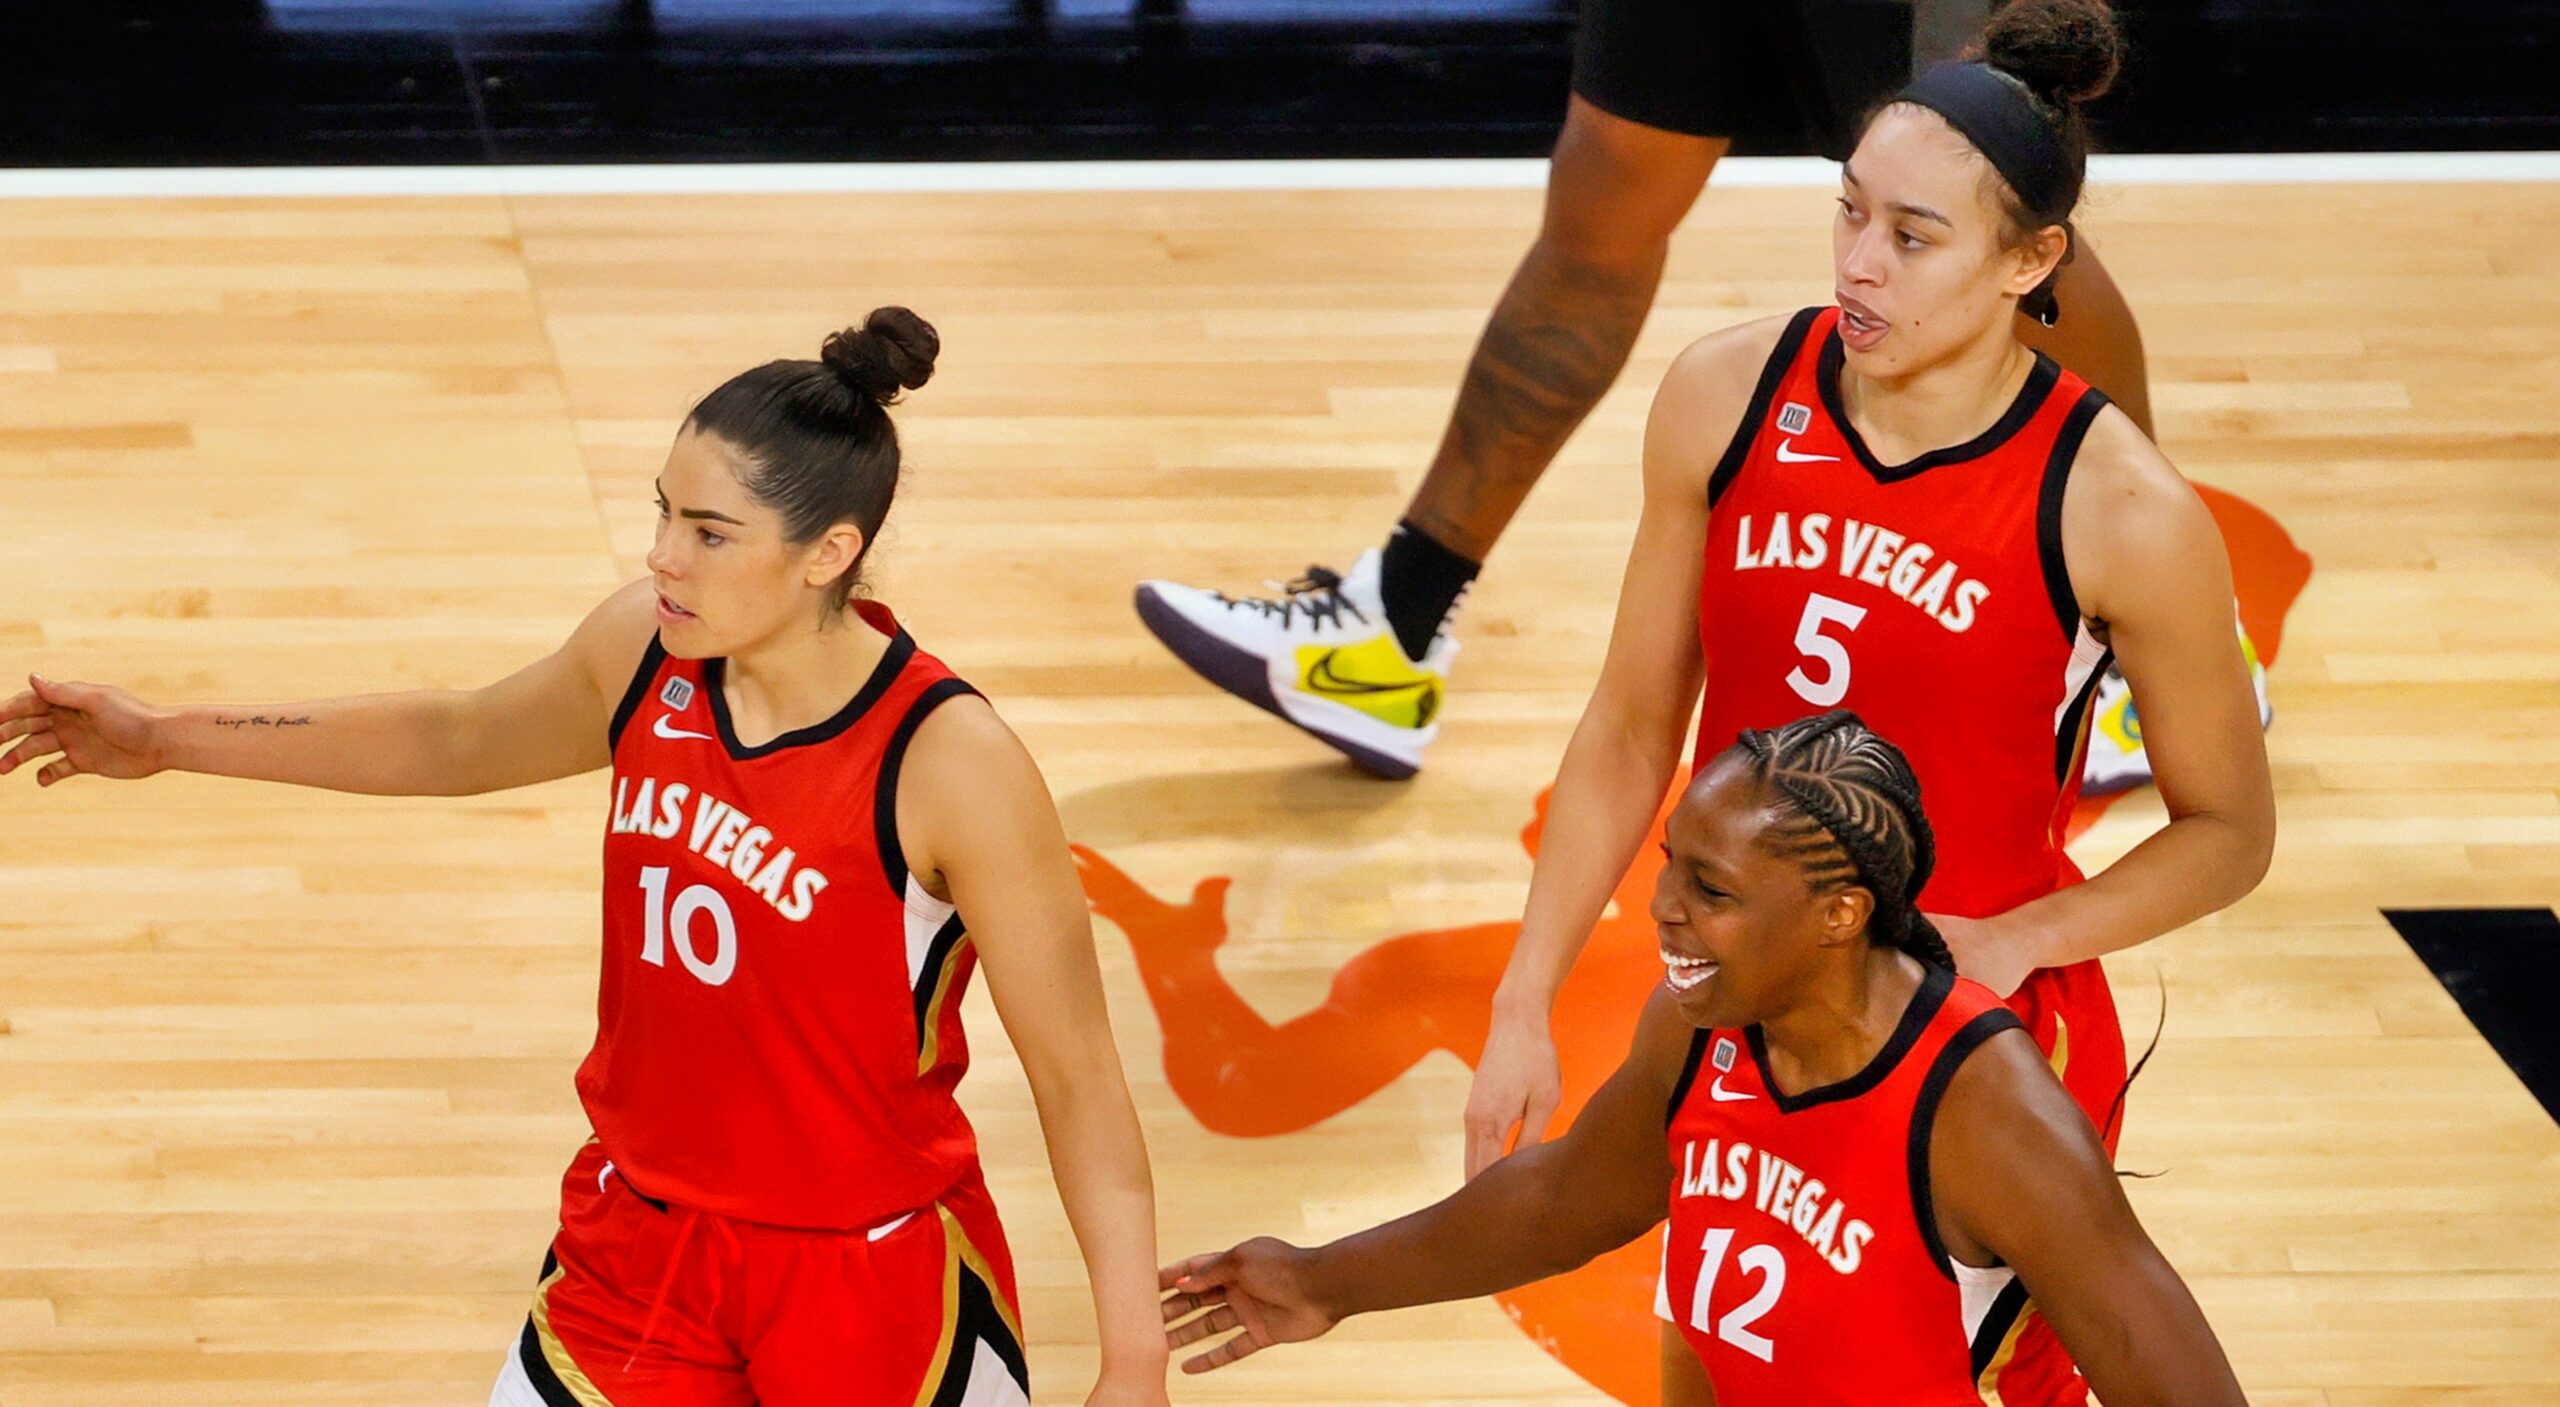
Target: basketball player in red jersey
column 1361, row 659
column 816, row 833
column 1864, row 1159
column 1892, row 505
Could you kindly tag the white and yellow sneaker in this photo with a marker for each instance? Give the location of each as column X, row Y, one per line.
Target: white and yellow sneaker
column 2117, row 761
column 1320, row 655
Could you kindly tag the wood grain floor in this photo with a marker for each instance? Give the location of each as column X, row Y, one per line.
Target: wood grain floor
column 284, row 1084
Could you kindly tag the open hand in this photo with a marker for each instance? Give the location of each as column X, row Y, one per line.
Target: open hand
column 1261, row 1287
column 99, row 730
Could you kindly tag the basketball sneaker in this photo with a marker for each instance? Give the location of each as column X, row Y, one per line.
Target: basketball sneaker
column 2116, row 759
column 1320, row 655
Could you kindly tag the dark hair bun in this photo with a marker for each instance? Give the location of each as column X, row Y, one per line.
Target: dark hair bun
column 2067, row 52
column 892, row 349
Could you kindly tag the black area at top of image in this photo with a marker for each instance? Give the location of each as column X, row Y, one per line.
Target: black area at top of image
column 333, row 82
column 2503, row 968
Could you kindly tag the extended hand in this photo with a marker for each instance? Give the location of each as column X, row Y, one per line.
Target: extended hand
column 1517, row 1082
column 1260, row 1287
column 99, row 731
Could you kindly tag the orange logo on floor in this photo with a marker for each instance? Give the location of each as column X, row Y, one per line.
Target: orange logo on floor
column 1411, row 995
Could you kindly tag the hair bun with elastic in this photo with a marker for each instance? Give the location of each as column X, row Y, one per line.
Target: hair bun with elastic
column 892, row 350
column 2067, row 52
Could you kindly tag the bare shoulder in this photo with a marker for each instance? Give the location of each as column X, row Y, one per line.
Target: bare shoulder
column 965, row 759
column 964, row 730
column 2119, row 468
column 2008, row 1133
column 1703, row 400
column 1727, row 362
column 2129, row 514
column 969, row 796
column 608, row 645
column 2003, row 1087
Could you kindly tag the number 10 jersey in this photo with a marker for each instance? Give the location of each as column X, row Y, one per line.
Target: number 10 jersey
column 778, row 1027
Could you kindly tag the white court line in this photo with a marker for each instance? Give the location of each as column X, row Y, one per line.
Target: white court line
column 758, row 178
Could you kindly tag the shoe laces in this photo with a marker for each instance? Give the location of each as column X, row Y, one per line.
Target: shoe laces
column 1316, row 595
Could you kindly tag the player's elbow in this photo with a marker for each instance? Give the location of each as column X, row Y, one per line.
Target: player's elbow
column 2248, row 850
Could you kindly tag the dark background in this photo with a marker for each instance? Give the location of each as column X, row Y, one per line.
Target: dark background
column 315, row 82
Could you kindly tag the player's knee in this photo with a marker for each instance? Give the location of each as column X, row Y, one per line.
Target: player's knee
column 1617, row 189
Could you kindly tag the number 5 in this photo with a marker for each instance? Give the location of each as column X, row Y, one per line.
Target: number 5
column 1833, row 686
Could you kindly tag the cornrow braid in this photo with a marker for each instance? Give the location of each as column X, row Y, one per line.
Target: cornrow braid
column 1857, row 820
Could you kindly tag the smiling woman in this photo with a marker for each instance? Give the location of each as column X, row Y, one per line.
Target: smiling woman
column 1894, row 505
column 1841, row 1129
column 818, row 836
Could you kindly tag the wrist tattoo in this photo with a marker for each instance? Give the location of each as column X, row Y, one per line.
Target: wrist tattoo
column 260, row 720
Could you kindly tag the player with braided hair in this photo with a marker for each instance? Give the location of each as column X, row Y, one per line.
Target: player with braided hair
column 1844, row 1132
column 1861, row 821
column 1891, row 504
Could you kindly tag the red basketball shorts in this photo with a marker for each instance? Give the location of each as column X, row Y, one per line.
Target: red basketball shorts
column 643, row 1304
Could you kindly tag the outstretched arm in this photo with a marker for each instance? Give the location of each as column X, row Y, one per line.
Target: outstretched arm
column 980, row 827
column 547, row 720
column 2019, row 1177
column 1540, row 1212
column 2146, row 559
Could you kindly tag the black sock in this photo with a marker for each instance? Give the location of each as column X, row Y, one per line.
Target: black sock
column 1420, row 580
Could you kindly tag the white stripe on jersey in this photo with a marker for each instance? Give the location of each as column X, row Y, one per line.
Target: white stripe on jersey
column 2086, row 651
column 925, row 917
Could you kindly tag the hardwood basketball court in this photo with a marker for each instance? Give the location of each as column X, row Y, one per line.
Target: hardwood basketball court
column 284, row 1084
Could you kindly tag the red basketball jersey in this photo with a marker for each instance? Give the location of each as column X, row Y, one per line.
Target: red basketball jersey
column 778, row 1031
column 1802, row 1259
column 1930, row 597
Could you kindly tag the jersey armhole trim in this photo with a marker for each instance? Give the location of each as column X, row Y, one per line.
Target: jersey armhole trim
column 1688, row 1077
column 2049, row 496
column 632, row 695
column 1924, row 1120
column 2069, row 735
column 1782, row 359
column 884, row 800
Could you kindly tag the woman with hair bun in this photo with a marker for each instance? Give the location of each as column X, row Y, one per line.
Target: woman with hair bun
column 1892, row 505
column 816, row 833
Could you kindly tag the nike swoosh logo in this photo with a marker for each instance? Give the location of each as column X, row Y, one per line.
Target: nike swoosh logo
column 1322, row 679
column 1726, row 1096
column 664, row 731
column 1787, row 455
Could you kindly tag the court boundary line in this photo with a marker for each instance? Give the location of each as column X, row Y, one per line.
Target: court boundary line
column 750, row 178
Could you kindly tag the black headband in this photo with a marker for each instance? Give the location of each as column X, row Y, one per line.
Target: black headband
column 1994, row 112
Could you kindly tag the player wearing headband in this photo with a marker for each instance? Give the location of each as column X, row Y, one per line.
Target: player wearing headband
column 1893, row 505
column 1662, row 89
